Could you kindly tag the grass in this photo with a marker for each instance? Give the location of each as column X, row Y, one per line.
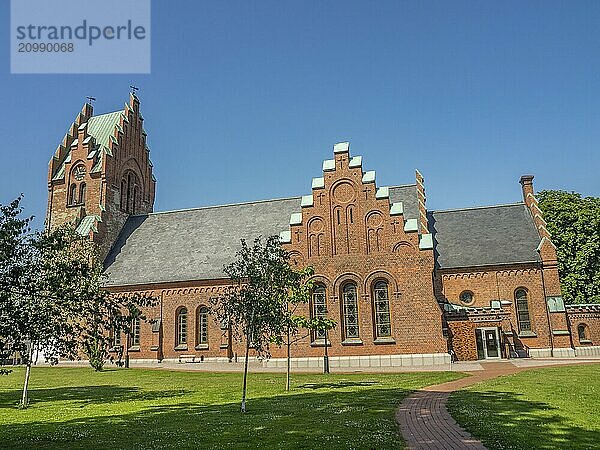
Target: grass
column 137, row 408
column 538, row 409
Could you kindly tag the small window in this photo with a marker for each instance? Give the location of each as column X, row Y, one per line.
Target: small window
column 82, row 194
column 319, row 307
column 381, row 303
column 522, row 306
column 203, row 325
column 467, row 297
column 182, row 327
column 72, row 197
column 582, row 332
column 135, row 333
column 350, row 311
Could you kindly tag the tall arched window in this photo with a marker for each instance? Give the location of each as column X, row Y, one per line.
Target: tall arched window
column 72, row 199
column 582, row 332
column 523, row 318
column 350, row 311
column 134, row 200
column 381, row 307
column 319, row 307
column 181, row 327
column 202, row 334
column 82, row 194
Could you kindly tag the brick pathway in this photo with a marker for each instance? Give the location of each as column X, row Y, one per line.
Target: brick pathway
column 425, row 422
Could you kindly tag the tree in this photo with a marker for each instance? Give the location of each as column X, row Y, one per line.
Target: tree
column 255, row 304
column 574, row 224
column 299, row 293
column 52, row 295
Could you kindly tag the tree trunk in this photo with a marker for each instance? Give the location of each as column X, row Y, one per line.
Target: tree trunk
column 326, row 357
column 24, row 399
column 289, row 351
column 245, row 374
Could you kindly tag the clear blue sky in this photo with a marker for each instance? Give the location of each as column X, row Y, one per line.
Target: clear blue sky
column 247, row 98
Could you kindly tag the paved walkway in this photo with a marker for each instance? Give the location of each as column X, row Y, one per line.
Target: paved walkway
column 424, row 420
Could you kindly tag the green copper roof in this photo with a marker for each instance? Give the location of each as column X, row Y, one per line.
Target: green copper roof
column 102, row 127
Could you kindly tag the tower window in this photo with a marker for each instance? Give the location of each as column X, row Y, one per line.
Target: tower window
column 82, row 194
column 72, row 194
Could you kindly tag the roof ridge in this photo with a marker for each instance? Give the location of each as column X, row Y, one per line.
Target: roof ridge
column 217, row 206
column 469, row 208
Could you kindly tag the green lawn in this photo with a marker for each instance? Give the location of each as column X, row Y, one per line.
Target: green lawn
column 538, row 409
column 136, row 408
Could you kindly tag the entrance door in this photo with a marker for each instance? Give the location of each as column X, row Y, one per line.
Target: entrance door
column 488, row 343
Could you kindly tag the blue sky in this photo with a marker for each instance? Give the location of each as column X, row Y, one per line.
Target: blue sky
column 247, row 98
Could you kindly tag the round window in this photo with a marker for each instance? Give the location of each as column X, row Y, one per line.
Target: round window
column 467, row 297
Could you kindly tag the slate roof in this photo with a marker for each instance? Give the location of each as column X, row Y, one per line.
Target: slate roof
column 195, row 244
column 489, row 235
column 191, row 244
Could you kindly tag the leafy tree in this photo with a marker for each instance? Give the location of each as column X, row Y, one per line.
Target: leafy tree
column 574, row 223
column 299, row 293
column 52, row 297
column 255, row 305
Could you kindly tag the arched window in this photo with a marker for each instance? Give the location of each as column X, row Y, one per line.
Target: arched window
column 381, row 307
column 82, row 194
column 522, row 310
column 582, row 332
column 135, row 333
column 202, row 335
column 72, row 198
column 319, row 307
column 350, row 311
column 181, row 327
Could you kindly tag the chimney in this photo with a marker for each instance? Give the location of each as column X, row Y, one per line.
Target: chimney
column 527, row 185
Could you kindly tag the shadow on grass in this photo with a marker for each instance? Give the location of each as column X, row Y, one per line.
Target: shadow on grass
column 505, row 420
column 338, row 385
column 361, row 418
column 87, row 395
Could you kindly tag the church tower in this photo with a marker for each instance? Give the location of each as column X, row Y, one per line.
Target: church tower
column 101, row 173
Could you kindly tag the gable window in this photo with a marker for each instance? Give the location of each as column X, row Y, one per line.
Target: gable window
column 319, row 308
column 350, row 311
column 181, row 327
column 523, row 318
column 381, row 307
column 135, row 333
column 582, row 333
column 202, row 325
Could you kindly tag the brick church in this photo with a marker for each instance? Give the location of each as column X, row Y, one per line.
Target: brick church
column 407, row 286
